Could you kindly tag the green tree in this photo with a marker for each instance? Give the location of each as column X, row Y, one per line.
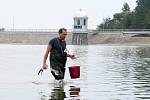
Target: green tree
column 117, row 21
column 139, row 18
column 120, row 20
column 106, row 24
column 142, row 13
column 147, row 20
column 125, row 7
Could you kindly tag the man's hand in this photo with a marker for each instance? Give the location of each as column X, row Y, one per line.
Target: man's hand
column 45, row 66
column 72, row 56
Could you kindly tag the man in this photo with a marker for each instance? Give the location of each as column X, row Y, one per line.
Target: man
column 57, row 57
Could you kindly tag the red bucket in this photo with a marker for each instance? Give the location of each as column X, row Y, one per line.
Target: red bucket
column 74, row 72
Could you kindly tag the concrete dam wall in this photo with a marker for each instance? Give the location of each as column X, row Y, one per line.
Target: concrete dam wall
column 42, row 38
column 28, row 37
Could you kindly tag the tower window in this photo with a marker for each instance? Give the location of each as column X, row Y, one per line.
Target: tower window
column 84, row 22
column 78, row 22
column 77, row 27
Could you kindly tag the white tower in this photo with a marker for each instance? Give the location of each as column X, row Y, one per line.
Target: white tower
column 80, row 22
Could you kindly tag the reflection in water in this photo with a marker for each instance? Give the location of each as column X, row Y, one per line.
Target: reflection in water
column 124, row 69
column 142, row 73
column 107, row 73
column 111, row 73
column 57, row 93
column 74, row 91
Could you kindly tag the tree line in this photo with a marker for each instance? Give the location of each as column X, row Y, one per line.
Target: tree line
column 139, row 18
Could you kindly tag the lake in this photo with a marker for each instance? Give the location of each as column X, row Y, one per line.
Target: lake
column 108, row 72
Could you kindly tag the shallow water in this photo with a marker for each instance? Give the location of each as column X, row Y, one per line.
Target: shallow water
column 107, row 73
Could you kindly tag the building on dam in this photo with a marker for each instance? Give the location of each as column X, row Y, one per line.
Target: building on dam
column 80, row 28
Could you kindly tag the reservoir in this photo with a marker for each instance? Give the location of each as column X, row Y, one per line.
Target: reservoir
column 108, row 72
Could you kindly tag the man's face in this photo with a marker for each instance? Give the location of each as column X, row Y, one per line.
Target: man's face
column 63, row 35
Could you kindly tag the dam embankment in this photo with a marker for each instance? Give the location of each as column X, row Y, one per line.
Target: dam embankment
column 27, row 37
column 43, row 38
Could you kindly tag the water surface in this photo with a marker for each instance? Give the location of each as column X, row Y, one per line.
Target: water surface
column 107, row 73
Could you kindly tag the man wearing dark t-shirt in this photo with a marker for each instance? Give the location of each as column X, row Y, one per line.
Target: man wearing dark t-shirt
column 57, row 57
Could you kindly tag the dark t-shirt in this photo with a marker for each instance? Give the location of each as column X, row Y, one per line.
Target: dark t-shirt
column 57, row 44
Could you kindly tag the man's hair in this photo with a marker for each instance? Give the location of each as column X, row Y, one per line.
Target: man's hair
column 61, row 30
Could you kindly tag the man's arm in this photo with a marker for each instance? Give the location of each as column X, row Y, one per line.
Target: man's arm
column 48, row 49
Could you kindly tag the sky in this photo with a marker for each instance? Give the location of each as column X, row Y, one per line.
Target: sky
column 54, row 14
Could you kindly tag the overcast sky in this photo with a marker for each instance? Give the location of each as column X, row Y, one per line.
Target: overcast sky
column 53, row 14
